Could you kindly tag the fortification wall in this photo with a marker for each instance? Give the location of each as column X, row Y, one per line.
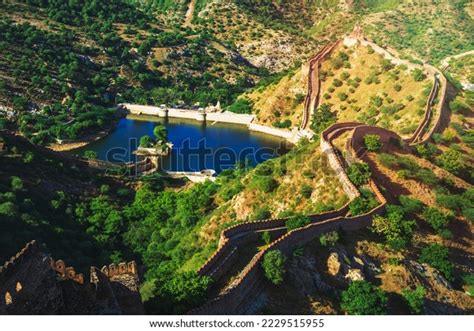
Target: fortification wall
column 247, row 285
column 441, row 109
column 428, row 113
column 314, row 84
column 333, row 158
column 241, row 234
column 15, row 262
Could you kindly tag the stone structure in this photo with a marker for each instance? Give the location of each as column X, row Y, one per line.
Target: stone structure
column 31, row 282
column 237, row 296
column 314, row 84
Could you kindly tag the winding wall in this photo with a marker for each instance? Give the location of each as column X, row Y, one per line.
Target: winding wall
column 314, row 84
column 246, row 287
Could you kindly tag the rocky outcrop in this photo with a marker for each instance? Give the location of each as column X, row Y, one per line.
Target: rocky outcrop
column 303, row 272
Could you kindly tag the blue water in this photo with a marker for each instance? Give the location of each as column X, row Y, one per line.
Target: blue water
column 197, row 145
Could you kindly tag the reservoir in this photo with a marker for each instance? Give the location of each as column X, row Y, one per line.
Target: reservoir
column 196, row 145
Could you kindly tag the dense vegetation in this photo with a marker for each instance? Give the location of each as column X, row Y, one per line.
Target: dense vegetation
column 66, row 86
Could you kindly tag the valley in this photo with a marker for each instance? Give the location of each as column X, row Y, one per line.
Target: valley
column 357, row 186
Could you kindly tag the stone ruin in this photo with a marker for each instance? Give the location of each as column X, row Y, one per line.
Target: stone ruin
column 31, row 282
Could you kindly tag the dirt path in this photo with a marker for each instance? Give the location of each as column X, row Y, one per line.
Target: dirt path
column 189, row 13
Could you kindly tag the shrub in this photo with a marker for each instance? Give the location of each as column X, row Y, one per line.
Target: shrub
column 123, row 192
column 146, row 141
column 386, row 65
column 387, row 160
column 457, row 105
column 342, row 96
column 362, row 205
column 264, row 169
column 264, row 183
column 266, row 238
column 418, row 75
column 8, row 210
column 410, row 205
column 16, row 184
column 104, row 189
column 468, row 281
column 396, row 230
column 336, row 82
column 29, row 157
column 323, row 118
column 241, row 106
column 397, row 87
column 452, row 161
column 261, row 213
column 359, row 173
column 363, row 298
column 437, row 256
column 297, row 221
column 182, row 292
column 329, row 239
column 376, row 101
column 274, row 266
column 306, row 191
column 426, row 151
column 372, row 142
column 435, row 218
column 90, row 155
column 282, row 124
column 414, row 298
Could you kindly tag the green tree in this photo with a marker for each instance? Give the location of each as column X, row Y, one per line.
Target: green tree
column 160, row 133
column 146, row 141
column 182, row 292
column 452, row 161
column 90, row 154
column 359, row 173
column 241, row 106
column 274, row 266
column 363, row 298
column 16, row 184
column 418, row 75
column 372, row 142
column 9, row 210
column 329, row 239
column 266, row 237
column 436, row 219
column 396, row 230
column 297, row 221
column 414, row 298
column 436, row 255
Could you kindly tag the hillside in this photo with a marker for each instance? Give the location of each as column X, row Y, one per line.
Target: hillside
column 42, row 196
column 370, row 212
column 426, row 30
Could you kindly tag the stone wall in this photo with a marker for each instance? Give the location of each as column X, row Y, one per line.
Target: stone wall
column 312, row 96
column 333, row 157
column 10, row 266
column 241, row 234
column 31, row 282
column 248, row 284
